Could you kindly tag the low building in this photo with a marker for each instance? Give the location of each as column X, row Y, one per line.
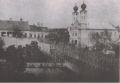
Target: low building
column 9, row 28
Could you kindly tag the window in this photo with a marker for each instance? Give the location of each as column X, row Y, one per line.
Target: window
column 38, row 36
column 75, row 41
column 34, row 35
column 75, row 34
column 25, row 35
column 115, row 33
column 88, row 42
column 72, row 41
column 30, row 35
column 111, row 33
column 3, row 33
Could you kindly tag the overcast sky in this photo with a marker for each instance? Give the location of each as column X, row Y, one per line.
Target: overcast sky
column 58, row 13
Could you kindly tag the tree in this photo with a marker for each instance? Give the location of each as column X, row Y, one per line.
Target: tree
column 17, row 32
column 1, row 48
column 53, row 36
column 106, row 38
column 15, row 58
column 63, row 35
column 115, row 48
column 101, row 40
column 95, row 39
column 59, row 35
column 27, row 50
column 2, row 43
column 34, row 48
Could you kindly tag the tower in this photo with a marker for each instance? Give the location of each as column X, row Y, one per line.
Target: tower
column 75, row 14
column 83, row 14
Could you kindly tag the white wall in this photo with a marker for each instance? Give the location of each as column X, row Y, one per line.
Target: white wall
column 83, row 36
column 86, row 40
column 19, row 41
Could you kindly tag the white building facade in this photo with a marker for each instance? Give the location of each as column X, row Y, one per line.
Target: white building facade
column 80, row 30
column 29, row 31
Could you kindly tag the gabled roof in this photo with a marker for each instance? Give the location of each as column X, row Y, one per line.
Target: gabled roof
column 100, row 25
column 9, row 25
column 79, row 25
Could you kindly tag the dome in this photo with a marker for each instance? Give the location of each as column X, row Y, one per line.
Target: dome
column 75, row 8
column 83, row 6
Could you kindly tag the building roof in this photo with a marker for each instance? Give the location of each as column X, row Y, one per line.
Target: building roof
column 100, row 25
column 10, row 25
column 36, row 28
column 78, row 25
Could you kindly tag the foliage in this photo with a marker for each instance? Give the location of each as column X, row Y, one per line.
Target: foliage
column 32, row 49
column 59, row 35
column 2, row 43
column 14, row 56
column 1, row 48
column 52, row 37
column 101, row 40
column 27, row 50
column 115, row 48
column 17, row 32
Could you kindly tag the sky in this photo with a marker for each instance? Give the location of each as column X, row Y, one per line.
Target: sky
column 58, row 13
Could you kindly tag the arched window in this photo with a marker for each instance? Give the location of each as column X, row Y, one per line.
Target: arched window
column 30, row 35
column 72, row 41
column 34, row 35
column 38, row 36
column 4, row 34
column 73, row 34
column 25, row 35
column 75, row 41
column 115, row 33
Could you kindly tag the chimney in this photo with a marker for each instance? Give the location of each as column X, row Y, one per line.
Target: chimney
column 10, row 19
column 20, row 19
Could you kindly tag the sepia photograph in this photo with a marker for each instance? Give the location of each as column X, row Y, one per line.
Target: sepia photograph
column 59, row 40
